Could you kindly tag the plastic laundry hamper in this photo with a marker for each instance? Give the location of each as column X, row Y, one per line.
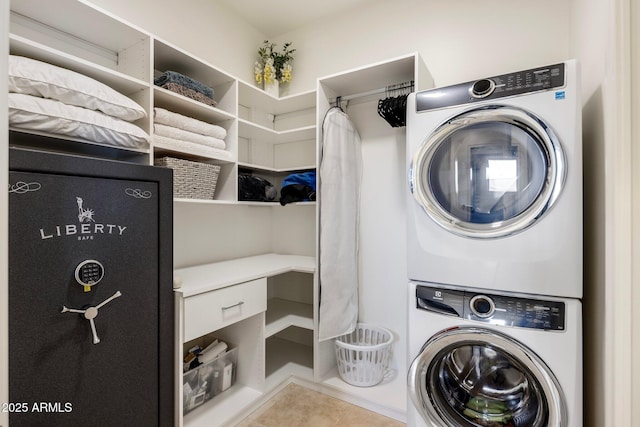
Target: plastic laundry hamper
column 363, row 356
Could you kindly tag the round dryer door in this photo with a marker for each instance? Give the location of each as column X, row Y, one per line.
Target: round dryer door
column 470, row 377
column 488, row 172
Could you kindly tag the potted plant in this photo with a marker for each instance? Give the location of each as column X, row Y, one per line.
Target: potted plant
column 273, row 67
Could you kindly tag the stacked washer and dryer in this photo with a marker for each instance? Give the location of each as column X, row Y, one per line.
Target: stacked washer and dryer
column 495, row 251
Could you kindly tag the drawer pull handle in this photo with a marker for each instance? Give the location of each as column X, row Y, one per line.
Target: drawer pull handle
column 234, row 305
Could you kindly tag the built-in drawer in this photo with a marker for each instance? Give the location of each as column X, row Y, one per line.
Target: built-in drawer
column 210, row 311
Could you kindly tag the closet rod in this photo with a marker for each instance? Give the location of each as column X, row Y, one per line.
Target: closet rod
column 372, row 92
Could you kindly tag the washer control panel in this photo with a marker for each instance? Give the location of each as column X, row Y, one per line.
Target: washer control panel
column 493, row 308
column 496, row 87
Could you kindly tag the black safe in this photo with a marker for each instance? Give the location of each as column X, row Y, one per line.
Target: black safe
column 91, row 314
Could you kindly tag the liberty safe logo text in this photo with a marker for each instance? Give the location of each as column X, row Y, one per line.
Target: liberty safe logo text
column 87, row 228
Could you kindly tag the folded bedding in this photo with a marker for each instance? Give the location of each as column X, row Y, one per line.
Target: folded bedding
column 32, row 77
column 182, row 80
column 189, row 93
column 192, row 148
column 33, row 113
column 181, row 134
column 169, row 118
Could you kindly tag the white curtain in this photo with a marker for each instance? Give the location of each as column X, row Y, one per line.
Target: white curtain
column 339, row 198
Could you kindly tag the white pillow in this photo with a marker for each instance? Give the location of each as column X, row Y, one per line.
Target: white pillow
column 48, row 115
column 38, row 78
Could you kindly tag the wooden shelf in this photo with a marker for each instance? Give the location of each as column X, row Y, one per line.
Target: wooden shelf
column 121, row 82
column 282, row 313
column 208, row 277
column 251, row 96
column 222, row 407
column 264, row 134
column 275, row 170
column 197, row 153
column 186, row 106
column 285, row 358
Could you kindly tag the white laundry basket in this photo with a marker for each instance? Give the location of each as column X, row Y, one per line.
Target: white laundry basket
column 363, row 356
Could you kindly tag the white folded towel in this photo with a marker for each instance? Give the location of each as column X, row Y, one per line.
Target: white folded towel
column 192, row 148
column 169, row 118
column 181, row 134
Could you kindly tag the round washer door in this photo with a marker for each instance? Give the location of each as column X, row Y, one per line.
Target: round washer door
column 470, row 377
column 488, row 172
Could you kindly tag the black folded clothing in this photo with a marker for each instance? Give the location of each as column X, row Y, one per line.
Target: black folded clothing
column 256, row 189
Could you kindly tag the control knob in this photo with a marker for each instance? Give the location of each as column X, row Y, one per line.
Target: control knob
column 482, row 306
column 482, row 88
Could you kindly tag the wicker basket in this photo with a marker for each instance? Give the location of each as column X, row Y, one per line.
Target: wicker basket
column 191, row 180
column 364, row 355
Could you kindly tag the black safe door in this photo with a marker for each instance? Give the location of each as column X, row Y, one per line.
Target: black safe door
column 83, row 301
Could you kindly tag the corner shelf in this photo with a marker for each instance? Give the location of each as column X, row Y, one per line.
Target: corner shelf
column 285, row 359
column 282, row 313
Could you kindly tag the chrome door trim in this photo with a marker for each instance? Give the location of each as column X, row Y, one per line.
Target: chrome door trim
column 448, row 338
column 552, row 187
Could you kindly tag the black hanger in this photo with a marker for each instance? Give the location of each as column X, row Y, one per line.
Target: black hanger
column 394, row 108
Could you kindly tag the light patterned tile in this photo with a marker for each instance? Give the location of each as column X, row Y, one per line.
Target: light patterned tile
column 296, row 406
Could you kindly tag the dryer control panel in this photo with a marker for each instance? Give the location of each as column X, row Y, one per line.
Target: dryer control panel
column 493, row 308
column 517, row 83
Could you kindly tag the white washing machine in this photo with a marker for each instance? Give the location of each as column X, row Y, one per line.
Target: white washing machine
column 495, row 176
column 493, row 359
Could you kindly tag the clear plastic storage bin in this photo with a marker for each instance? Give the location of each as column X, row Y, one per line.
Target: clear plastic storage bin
column 209, row 379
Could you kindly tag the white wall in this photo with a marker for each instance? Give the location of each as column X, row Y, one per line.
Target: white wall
column 589, row 44
column 459, row 41
column 204, row 28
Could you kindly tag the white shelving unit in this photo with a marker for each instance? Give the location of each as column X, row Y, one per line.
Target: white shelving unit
column 362, row 86
column 74, row 40
column 267, row 136
column 270, row 350
column 276, row 135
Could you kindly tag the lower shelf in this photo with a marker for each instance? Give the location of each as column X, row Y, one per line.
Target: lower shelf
column 285, row 358
column 222, row 407
column 282, row 313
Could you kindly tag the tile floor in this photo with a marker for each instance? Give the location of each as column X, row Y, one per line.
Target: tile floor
column 298, row 406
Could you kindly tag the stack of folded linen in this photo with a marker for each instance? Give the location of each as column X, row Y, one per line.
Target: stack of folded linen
column 186, row 134
column 45, row 98
column 186, row 86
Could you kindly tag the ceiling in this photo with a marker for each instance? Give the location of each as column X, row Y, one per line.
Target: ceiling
column 275, row 17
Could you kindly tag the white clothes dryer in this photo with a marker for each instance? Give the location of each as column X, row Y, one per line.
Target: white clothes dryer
column 495, row 180
column 493, row 359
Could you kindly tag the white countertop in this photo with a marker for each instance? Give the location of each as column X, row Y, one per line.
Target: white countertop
column 208, row 277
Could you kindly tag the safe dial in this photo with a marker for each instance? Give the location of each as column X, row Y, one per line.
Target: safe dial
column 482, row 306
column 88, row 273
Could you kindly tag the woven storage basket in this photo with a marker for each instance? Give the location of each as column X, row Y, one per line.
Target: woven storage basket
column 364, row 355
column 191, row 180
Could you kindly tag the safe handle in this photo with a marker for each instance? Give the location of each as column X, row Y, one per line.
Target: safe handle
column 91, row 313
